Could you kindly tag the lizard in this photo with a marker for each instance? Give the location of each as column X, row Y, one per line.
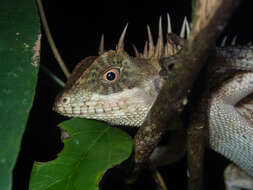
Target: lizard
column 121, row 89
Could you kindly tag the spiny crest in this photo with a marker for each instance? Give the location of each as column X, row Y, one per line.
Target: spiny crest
column 171, row 46
column 224, row 41
column 120, row 46
column 101, row 46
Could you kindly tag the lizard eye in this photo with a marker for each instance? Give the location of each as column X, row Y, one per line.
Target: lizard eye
column 111, row 75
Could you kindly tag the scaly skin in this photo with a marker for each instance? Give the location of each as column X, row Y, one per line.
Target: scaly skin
column 127, row 99
column 124, row 101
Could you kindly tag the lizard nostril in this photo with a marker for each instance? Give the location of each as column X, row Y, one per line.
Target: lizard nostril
column 65, row 100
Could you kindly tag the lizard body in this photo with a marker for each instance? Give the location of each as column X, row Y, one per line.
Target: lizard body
column 120, row 89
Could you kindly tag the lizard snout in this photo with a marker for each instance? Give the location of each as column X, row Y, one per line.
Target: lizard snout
column 61, row 101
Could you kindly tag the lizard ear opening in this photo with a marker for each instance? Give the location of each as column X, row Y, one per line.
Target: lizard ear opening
column 111, row 76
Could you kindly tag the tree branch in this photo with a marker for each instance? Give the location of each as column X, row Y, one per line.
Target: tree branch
column 50, row 40
column 180, row 72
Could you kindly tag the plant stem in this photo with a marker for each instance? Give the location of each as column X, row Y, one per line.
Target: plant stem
column 50, row 39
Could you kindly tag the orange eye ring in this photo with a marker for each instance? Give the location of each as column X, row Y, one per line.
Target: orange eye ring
column 112, row 75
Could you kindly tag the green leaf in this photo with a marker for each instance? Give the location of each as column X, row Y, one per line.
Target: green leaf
column 93, row 147
column 19, row 52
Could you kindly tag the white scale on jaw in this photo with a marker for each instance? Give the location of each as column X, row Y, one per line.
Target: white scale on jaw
column 98, row 106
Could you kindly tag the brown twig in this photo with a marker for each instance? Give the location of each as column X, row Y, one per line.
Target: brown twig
column 159, row 179
column 209, row 20
column 50, row 40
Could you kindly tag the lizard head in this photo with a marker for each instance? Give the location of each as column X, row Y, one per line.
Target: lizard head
column 114, row 86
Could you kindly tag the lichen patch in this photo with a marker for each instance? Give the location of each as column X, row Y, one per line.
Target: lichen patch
column 26, row 45
column 36, row 52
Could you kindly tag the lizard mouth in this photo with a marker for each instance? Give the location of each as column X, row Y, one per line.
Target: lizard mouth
column 60, row 103
column 58, row 108
column 64, row 106
column 64, row 110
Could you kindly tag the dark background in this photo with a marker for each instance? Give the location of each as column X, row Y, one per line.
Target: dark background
column 76, row 27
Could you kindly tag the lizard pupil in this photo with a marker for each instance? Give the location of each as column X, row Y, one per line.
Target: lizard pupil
column 110, row 76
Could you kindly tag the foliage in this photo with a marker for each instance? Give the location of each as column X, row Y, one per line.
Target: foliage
column 19, row 51
column 91, row 149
